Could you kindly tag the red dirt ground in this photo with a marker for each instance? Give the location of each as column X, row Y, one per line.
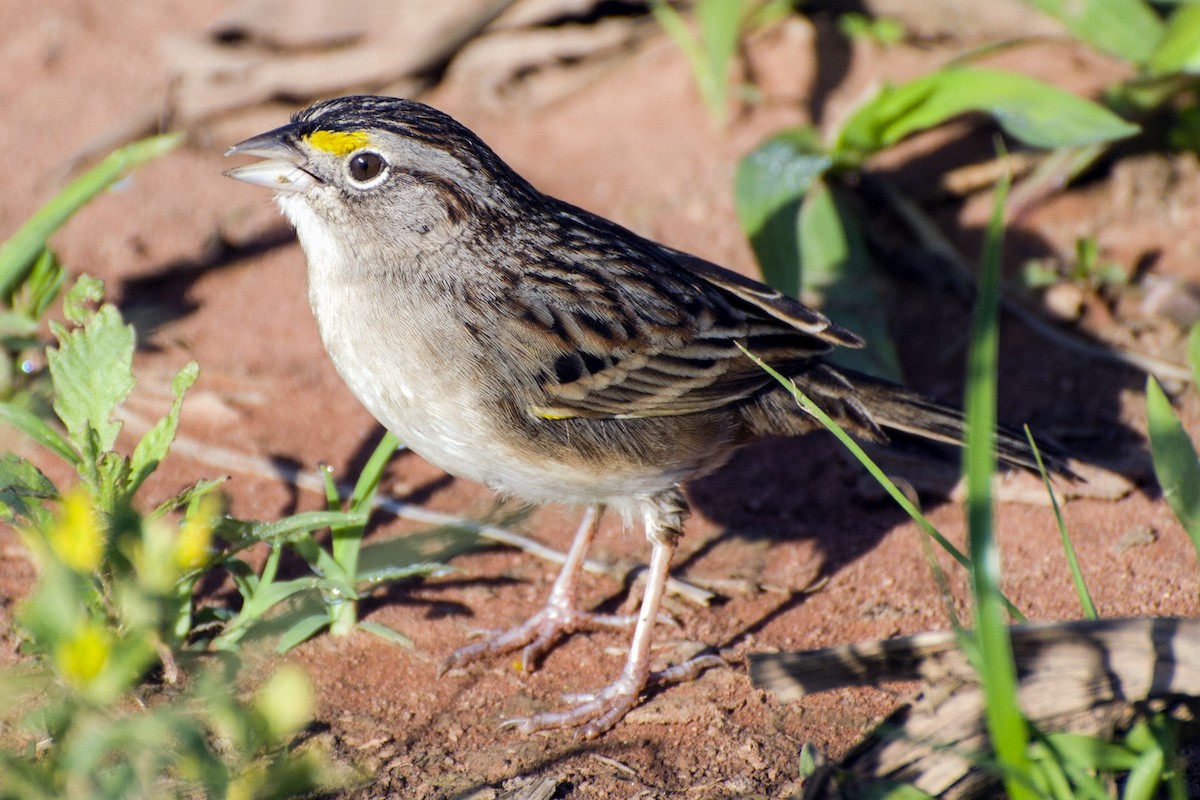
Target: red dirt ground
column 207, row 270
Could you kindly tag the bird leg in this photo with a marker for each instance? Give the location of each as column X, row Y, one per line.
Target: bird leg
column 557, row 617
column 598, row 711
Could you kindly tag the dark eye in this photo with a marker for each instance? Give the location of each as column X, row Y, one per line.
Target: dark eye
column 366, row 165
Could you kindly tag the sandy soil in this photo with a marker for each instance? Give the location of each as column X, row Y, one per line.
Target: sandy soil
column 207, row 271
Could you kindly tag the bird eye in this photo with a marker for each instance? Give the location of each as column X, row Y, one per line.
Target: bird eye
column 365, row 165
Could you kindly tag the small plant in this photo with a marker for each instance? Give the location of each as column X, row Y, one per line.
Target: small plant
column 1164, row 95
column 31, row 276
column 795, row 199
column 1033, row 763
column 1087, row 270
column 79, row 721
column 1175, row 461
column 710, row 52
column 340, row 576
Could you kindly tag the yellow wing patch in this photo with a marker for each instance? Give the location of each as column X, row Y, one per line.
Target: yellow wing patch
column 338, row 142
column 542, row 412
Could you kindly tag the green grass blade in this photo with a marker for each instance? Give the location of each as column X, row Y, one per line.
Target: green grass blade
column 1081, row 589
column 301, row 631
column 368, row 480
column 943, row 583
column 347, row 540
column 19, row 253
column 878, row 474
column 1146, row 776
column 1007, row 726
column 386, row 633
column 1193, row 353
column 699, row 54
column 720, row 27
column 246, row 534
column 333, row 500
column 1175, row 461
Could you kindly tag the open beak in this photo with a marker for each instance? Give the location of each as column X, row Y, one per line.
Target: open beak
column 282, row 168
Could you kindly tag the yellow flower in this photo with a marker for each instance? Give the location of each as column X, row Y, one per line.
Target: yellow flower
column 85, row 654
column 195, row 538
column 286, row 702
column 78, row 536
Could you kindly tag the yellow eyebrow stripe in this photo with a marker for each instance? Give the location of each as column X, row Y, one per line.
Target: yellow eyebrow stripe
column 338, row 142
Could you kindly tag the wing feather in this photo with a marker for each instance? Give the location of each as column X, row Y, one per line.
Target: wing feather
column 646, row 331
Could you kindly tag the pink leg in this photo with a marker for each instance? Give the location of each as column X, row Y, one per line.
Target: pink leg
column 556, row 618
column 597, row 712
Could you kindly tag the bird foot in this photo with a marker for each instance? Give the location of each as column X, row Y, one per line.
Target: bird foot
column 594, row 713
column 536, row 635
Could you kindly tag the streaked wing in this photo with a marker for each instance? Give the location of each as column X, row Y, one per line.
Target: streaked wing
column 651, row 332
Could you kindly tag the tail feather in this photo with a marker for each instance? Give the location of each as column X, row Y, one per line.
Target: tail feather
column 899, row 409
column 869, row 407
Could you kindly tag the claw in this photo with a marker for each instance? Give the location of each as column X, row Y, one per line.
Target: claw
column 593, row 713
column 596, row 712
column 557, row 618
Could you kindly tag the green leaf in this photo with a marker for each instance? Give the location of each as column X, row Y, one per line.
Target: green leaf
column 85, row 294
column 1143, row 780
column 14, row 324
column 836, row 267
column 20, row 482
column 882, row 30
column 710, row 52
column 1179, row 50
column 187, row 496
column 1125, row 28
column 1175, row 461
column 1091, row 752
column 1193, row 353
column 770, row 183
column 40, row 431
column 347, row 539
column 386, row 633
column 249, row 533
column 374, row 577
column 1034, row 112
column 720, row 28
column 368, row 480
column 42, row 286
column 260, row 596
column 92, row 370
column 154, row 446
column 18, row 254
column 21, row 477
column 808, row 241
column 304, row 629
column 437, row 545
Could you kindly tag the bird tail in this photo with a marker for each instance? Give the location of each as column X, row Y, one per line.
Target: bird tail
column 895, row 408
column 870, row 408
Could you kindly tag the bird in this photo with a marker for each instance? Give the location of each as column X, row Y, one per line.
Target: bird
column 516, row 340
